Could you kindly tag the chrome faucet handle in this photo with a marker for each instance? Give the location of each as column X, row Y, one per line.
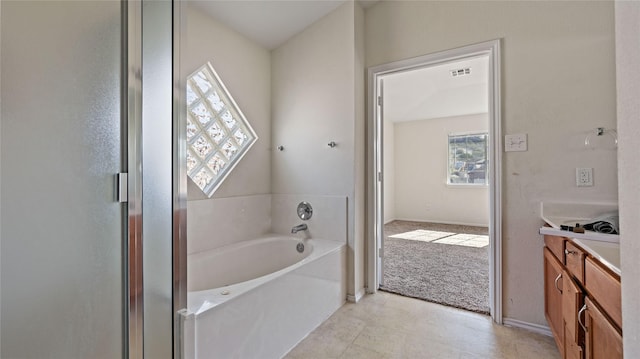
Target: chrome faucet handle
column 298, row 228
column 304, row 210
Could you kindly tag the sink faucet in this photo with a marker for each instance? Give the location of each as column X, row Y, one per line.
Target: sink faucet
column 298, row 228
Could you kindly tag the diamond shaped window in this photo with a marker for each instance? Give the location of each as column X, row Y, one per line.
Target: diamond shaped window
column 218, row 134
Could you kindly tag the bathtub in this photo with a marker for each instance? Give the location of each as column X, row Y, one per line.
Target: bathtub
column 259, row 298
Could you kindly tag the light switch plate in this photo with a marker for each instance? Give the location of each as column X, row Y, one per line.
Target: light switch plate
column 516, row 142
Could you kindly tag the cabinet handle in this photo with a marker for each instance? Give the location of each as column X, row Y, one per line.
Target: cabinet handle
column 584, row 307
column 566, row 251
column 556, row 282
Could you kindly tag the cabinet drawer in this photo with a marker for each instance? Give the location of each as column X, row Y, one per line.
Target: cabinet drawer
column 604, row 287
column 574, row 260
column 556, row 246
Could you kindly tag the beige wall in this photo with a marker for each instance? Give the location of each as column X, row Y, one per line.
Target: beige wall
column 302, row 95
column 245, row 69
column 558, row 84
column 627, row 14
column 314, row 102
column 359, row 168
column 241, row 207
column 421, row 189
column 0, row 171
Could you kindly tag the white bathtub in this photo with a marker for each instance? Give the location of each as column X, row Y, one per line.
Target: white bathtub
column 243, row 261
column 259, row 298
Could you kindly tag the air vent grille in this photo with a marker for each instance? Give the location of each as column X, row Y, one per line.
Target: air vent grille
column 461, row 72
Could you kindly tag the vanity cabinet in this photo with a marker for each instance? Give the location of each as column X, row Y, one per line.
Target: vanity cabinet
column 582, row 302
column 603, row 340
column 606, row 288
column 553, row 296
column 572, row 302
column 574, row 260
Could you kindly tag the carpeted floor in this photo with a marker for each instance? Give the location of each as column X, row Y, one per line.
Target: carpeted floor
column 437, row 263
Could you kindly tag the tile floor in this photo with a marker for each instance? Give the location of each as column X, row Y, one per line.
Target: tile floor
column 385, row 325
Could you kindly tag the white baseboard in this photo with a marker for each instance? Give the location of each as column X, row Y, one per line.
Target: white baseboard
column 536, row 328
column 369, row 290
column 443, row 222
column 357, row 297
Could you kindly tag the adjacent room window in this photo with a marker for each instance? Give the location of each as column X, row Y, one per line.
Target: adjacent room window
column 218, row 134
column 468, row 159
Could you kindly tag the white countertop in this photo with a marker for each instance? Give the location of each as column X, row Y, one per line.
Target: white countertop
column 580, row 211
column 606, row 251
column 590, row 235
column 557, row 214
column 604, row 247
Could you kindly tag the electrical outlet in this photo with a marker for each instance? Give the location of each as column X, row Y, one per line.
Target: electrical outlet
column 584, row 177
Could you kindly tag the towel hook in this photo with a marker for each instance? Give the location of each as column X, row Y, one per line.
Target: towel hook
column 600, row 131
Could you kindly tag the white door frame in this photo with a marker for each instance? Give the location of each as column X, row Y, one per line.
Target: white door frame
column 375, row 165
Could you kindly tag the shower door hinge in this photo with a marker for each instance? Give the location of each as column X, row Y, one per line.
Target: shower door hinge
column 122, row 187
column 379, row 100
column 380, row 252
column 379, row 176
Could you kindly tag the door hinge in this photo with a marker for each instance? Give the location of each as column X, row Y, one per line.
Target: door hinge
column 380, row 252
column 379, row 176
column 122, row 187
column 379, row 100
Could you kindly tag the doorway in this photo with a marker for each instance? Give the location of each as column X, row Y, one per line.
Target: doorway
column 435, row 188
column 477, row 173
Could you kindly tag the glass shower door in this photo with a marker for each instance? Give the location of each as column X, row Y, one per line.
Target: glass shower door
column 63, row 234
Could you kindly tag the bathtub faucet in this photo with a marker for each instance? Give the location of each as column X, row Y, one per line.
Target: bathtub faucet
column 298, row 228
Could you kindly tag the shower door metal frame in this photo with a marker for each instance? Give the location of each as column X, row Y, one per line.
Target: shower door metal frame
column 132, row 73
column 132, row 107
column 125, row 247
column 179, row 180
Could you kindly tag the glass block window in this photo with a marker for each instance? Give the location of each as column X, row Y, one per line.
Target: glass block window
column 468, row 159
column 218, row 134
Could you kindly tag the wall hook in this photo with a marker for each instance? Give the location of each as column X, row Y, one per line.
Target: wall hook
column 332, row 144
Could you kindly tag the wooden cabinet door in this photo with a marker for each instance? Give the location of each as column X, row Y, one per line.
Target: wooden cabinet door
column 572, row 350
column 602, row 339
column 553, row 297
column 605, row 288
column 572, row 298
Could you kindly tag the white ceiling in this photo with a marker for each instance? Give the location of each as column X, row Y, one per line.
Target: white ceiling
column 433, row 93
column 268, row 22
column 420, row 94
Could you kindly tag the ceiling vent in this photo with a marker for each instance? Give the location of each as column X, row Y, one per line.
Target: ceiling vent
column 461, row 72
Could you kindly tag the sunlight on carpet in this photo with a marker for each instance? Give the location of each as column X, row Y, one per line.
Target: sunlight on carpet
column 458, row 239
column 422, row 235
